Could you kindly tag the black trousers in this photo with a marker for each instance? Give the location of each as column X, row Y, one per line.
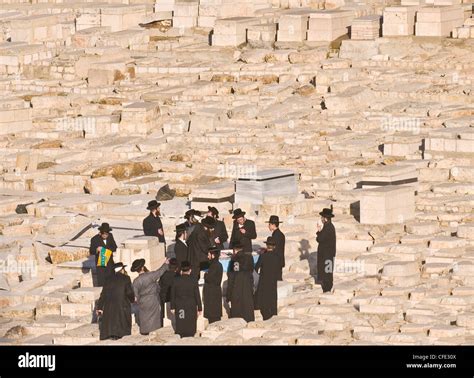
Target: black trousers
column 280, row 275
column 104, row 273
column 162, row 315
column 213, row 320
column 267, row 313
column 325, row 272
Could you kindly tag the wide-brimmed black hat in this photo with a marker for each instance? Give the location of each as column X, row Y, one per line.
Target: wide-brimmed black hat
column 237, row 245
column 209, row 222
column 213, row 210
column 326, row 213
column 185, row 266
column 104, row 227
column 214, row 250
column 180, row 227
column 137, row 265
column 154, row 204
column 173, row 263
column 119, row 266
column 238, row 213
column 192, row 212
column 274, row 219
column 270, row 241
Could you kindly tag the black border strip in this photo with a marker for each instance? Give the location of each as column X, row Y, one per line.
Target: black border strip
column 266, row 179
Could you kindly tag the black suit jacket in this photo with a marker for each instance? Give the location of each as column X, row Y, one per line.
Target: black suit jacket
column 244, row 239
column 151, row 225
column 181, row 252
column 326, row 239
column 280, row 245
column 220, row 232
column 97, row 241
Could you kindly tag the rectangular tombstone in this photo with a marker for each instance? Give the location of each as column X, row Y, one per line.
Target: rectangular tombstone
column 220, row 196
column 399, row 20
column 438, row 21
column 389, row 175
column 293, row 26
column 269, row 182
column 387, row 205
column 232, row 31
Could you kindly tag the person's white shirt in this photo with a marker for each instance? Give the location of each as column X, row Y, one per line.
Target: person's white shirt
column 183, row 241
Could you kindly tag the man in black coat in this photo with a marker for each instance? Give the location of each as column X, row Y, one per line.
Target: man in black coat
column 268, row 267
column 326, row 238
column 279, row 239
column 193, row 217
column 219, row 235
column 104, row 260
column 152, row 225
column 243, row 231
column 199, row 243
column 212, row 291
column 186, row 302
column 114, row 305
column 166, row 283
column 181, row 250
column 240, row 285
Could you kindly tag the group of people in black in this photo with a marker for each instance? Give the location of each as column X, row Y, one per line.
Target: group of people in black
column 199, row 242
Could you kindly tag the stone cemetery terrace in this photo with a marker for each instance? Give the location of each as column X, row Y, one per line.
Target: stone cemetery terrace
column 277, row 107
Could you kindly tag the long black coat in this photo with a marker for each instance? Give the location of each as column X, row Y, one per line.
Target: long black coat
column 186, row 301
column 279, row 238
column 189, row 229
column 181, row 251
column 103, row 273
column 166, row 282
column 220, row 232
column 199, row 244
column 266, row 297
column 326, row 239
column 240, row 286
column 212, row 291
column 244, row 239
column 115, row 301
column 151, row 225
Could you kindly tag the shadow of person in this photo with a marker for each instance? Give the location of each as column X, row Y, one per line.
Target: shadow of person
column 312, row 257
column 304, row 249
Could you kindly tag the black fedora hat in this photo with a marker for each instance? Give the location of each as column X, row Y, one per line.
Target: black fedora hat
column 104, row 227
column 213, row 210
column 191, row 212
column 238, row 213
column 185, row 266
column 214, row 250
column 119, row 266
column 137, row 265
column 188, row 213
column 154, row 204
column 237, row 245
column 209, row 222
column 270, row 241
column 180, row 227
column 274, row 219
column 326, row 213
